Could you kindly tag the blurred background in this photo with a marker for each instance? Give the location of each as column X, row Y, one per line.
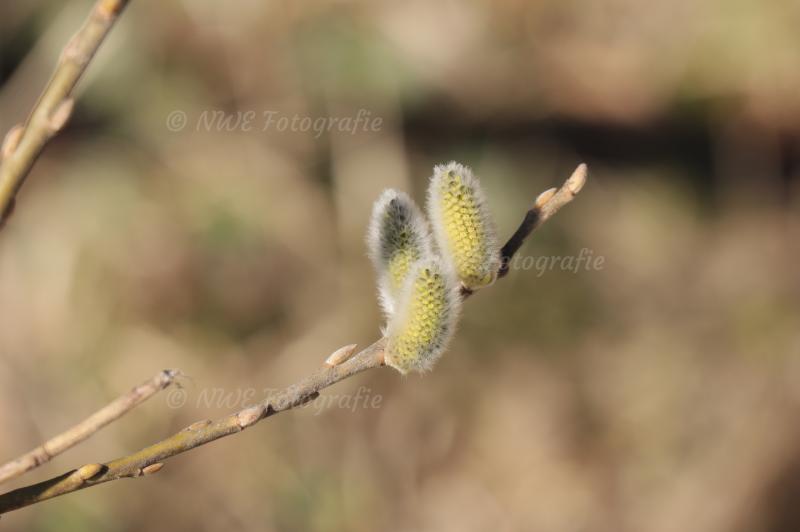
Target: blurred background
column 655, row 391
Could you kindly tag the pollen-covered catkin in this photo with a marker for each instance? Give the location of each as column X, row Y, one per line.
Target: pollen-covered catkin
column 398, row 237
column 463, row 227
column 418, row 333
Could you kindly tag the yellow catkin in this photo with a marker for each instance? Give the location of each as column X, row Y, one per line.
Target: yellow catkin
column 398, row 237
column 463, row 227
column 418, row 333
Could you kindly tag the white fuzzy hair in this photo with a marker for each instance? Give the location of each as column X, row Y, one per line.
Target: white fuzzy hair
column 379, row 248
column 447, row 327
column 434, row 207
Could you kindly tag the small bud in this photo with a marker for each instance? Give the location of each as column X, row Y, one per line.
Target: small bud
column 11, row 141
column 340, row 355
column 62, row 113
column 398, row 237
column 544, row 197
column 428, row 309
column 198, row 425
column 152, row 468
column 89, row 470
column 462, row 224
column 109, row 8
column 249, row 416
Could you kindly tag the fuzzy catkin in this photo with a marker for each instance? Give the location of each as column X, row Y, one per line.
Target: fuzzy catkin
column 463, row 226
column 398, row 237
column 418, row 333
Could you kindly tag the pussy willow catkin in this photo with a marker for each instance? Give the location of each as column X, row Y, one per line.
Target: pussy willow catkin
column 398, row 237
column 428, row 307
column 463, row 227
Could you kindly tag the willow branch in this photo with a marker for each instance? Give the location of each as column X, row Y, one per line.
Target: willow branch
column 546, row 205
column 338, row 367
column 74, row 435
column 24, row 142
column 149, row 459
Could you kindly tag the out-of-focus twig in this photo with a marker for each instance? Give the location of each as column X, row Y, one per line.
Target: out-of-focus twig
column 74, row 435
column 150, row 459
column 24, row 142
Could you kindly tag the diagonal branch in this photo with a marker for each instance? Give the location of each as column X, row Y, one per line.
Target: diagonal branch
column 546, row 205
column 150, row 459
column 74, row 435
column 24, row 143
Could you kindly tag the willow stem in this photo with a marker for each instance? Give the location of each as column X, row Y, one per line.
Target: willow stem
column 49, row 115
column 150, row 459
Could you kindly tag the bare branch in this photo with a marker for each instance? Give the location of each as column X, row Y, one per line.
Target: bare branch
column 71, row 437
column 338, row 367
column 546, row 205
column 194, row 435
column 51, row 112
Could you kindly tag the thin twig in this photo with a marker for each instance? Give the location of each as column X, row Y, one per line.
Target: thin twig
column 546, row 205
column 194, row 435
column 74, row 435
column 150, row 459
column 24, row 143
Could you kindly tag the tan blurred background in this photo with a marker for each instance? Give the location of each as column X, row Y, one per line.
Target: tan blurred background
column 657, row 393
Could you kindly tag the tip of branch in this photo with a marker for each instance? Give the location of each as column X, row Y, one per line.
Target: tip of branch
column 168, row 376
column 340, row 355
column 578, row 178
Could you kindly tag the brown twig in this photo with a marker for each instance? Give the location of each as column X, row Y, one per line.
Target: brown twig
column 546, row 205
column 24, row 143
column 194, row 435
column 150, row 459
column 74, row 435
